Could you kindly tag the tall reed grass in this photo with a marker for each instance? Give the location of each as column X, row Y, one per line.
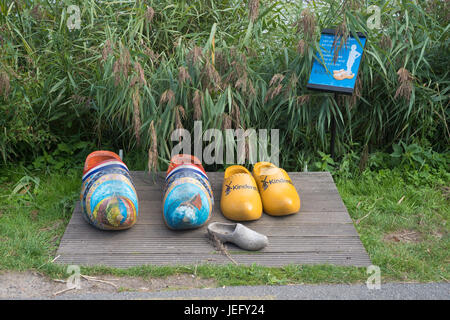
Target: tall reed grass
column 137, row 70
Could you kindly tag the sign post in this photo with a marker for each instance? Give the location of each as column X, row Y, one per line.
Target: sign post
column 336, row 72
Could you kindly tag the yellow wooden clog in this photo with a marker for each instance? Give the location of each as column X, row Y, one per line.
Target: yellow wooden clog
column 240, row 197
column 278, row 194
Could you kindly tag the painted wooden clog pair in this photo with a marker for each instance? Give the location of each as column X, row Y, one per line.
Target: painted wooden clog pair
column 188, row 198
column 108, row 196
column 245, row 194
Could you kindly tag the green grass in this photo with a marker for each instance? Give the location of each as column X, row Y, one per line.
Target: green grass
column 391, row 203
column 32, row 223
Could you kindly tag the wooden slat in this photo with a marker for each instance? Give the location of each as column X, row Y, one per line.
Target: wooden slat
column 152, row 201
column 202, row 245
column 266, row 259
column 154, row 216
column 308, row 200
column 322, row 232
column 147, row 231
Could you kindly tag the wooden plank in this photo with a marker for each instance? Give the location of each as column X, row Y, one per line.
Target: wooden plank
column 322, row 232
column 151, row 231
column 266, row 259
column 152, row 202
column 310, row 187
column 155, row 216
column 302, row 189
column 216, row 179
column 203, row 245
column 147, row 176
column 307, row 199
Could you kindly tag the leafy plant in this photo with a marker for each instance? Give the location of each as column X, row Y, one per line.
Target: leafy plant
column 414, row 156
column 135, row 71
column 65, row 156
column 26, row 186
column 326, row 164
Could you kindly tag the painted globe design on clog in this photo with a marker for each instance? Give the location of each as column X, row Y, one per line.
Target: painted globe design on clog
column 188, row 197
column 108, row 196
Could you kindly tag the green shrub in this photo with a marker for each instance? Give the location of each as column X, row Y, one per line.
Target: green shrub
column 131, row 68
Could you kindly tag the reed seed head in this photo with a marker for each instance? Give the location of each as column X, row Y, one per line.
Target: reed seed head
column 276, row 79
column 273, row 92
column 167, row 96
column 221, row 61
column 183, row 75
column 195, row 55
column 253, row 10
column 122, row 66
column 303, row 99
column 236, row 115
column 125, row 60
column 301, row 47
column 275, row 87
column 5, row 85
column 107, row 50
column 404, row 75
column 197, row 101
column 306, row 23
column 293, row 82
column 405, row 80
column 136, row 98
column 251, row 89
column 179, row 115
column 226, row 121
column 211, row 76
column 140, row 73
column 385, row 42
column 149, row 14
column 153, row 149
column 241, row 83
column 151, row 54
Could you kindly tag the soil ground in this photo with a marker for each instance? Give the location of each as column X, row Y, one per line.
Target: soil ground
column 31, row 284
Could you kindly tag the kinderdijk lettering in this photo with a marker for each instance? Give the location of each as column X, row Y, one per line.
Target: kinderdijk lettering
column 250, row 144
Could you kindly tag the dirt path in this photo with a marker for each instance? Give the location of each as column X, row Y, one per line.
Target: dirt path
column 31, row 284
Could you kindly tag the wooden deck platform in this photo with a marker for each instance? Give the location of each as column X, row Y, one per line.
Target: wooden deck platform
column 322, row 232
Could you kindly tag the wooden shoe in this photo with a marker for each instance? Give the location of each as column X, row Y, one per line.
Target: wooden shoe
column 238, row 234
column 97, row 157
column 339, row 75
column 240, row 199
column 184, row 159
column 342, row 74
column 108, row 197
column 188, row 198
column 278, row 194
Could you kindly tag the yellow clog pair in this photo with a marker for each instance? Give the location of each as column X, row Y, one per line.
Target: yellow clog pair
column 245, row 194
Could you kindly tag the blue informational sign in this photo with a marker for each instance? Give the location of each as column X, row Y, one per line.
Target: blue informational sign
column 340, row 75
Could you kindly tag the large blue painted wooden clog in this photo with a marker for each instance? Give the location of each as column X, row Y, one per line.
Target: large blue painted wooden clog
column 188, row 198
column 108, row 196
